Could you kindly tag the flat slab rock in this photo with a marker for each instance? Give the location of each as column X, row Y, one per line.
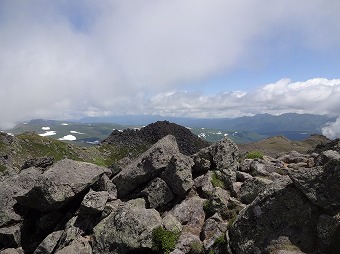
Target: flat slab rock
column 60, row 183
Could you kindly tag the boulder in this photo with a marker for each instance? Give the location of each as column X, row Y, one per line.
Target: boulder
column 79, row 245
column 251, row 188
column 127, row 228
column 94, row 202
column 15, row 185
column 280, row 210
column 42, row 162
column 12, row 251
column 213, row 228
column 328, row 233
column 158, row 193
column 188, row 243
column 170, row 223
column 178, row 174
column 105, row 184
column 320, row 184
column 190, row 214
column 60, row 184
column 146, row 167
column 49, row 243
column 326, row 156
column 221, row 155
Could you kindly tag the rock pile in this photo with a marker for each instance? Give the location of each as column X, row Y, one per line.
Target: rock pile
column 165, row 201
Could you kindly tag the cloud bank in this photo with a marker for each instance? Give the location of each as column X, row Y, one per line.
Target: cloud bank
column 62, row 59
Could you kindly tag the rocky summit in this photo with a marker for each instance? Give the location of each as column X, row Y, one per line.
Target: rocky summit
column 172, row 200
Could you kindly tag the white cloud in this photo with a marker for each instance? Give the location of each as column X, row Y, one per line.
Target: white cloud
column 332, row 130
column 62, row 59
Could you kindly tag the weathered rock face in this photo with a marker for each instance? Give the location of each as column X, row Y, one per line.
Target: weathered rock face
column 59, row 184
column 320, row 184
column 128, row 227
column 11, row 187
column 281, row 210
column 146, row 167
column 158, row 193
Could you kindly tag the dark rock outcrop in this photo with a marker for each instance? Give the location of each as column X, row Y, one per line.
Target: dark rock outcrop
column 188, row 143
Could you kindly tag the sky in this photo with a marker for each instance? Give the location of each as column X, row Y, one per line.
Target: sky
column 63, row 59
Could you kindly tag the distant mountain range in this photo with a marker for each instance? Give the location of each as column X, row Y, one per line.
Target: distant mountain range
column 241, row 130
column 291, row 125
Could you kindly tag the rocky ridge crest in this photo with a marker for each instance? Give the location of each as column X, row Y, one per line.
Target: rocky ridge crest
column 165, row 201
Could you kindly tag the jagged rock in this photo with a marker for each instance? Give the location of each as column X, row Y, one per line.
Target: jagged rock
column 213, row 228
column 79, row 245
column 158, row 193
column 94, row 202
column 280, row 210
column 218, row 202
column 251, row 188
column 221, row 155
column 190, row 214
column 60, row 184
column 283, row 245
column 328, row 233
column 242, row 176
column 12, row 251
column 320, row 184
column 43, row 162
column 188, row 243
column 178, row 174
column 16, row 185
column 293, row 157
column 105, row 184
column 258, row 168
column 170, row 223
column 203, row 184
column 126, row 228
column 326, row 156
column 10, row 236
column 146, row 167
column 49, row 243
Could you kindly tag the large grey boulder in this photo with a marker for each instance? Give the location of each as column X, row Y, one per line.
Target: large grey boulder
column 60, row 184
column 321, row 185
column 16, row 185
column 158, row 193
column 128, row 227
column 190, row 214
column 178, row 174
column 280, row 210
column 49, row 243
column 251, row 188
column 94, row 202
column 146, row 167
column 328, row 233
column 79, row 245
column 221, row 155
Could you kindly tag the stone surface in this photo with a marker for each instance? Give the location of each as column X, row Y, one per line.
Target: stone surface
column 146, row 167
column 251, row 188
column 79, row 245
column 16, row 185
column 49, row 243
column 178, row 174
column 158, row 193
column 280, row 210
column 94, row 202
column 59, row 184
column 328, row 230
column 170, row 223
column 190, row 214
column 105, row 184
column 320, row 184
column 128, row 227
column 42, row 162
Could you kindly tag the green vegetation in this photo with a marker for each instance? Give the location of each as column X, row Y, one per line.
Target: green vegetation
column 254, row 155
column 216, row 182
column 196, row 248
column 2, row 168
column 164, row 240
